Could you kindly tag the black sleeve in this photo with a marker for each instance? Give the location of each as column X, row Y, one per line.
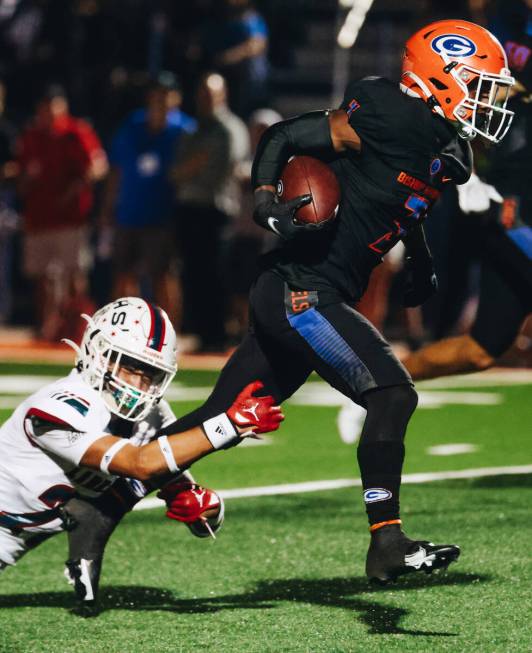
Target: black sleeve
column 309, row 133
column 458, row 158
column 415, row 242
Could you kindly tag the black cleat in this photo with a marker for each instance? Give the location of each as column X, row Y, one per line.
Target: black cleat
column 392, row 554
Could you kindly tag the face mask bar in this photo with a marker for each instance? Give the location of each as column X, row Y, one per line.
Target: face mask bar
column 485, row 113
column 124, row 399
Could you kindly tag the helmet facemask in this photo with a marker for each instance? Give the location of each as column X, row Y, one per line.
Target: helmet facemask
column 483, row 110
column 124, row 399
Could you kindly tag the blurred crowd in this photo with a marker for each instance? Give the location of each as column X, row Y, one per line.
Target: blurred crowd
column 127, row 131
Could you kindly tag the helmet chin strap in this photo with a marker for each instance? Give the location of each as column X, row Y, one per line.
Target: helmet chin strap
column 424, row 93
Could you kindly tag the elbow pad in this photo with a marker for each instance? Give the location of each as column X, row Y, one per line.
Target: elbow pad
column 305, row 134
column 458, row 156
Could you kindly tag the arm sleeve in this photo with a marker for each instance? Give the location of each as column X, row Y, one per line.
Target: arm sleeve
column 61, row 429
column 415, row 242
column 308, row 133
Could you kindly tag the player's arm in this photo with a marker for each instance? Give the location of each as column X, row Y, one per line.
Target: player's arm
column 318, row 132
column 421, row 281
column 248, row 416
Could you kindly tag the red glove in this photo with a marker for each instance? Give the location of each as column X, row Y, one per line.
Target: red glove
column 258, row 414
column 187, row 502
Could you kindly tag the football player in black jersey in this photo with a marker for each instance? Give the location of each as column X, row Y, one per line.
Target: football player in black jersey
column 393, row 148
column 500, row 233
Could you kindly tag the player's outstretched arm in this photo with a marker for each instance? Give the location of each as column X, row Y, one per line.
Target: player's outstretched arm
column 247, row 417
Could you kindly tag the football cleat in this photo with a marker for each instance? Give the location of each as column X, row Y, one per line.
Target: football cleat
column 392, row 554
column 84, row 576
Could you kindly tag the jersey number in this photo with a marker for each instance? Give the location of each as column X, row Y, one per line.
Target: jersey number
column 417, row 208
column 53, row 497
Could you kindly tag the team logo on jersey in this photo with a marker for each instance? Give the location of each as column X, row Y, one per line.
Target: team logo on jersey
column 435, row 166
column 74, row 436
column 375, row 494
column 453, row 45
column 352, row 106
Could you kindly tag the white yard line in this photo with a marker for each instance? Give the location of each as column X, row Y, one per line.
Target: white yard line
column 336, row 484
column 451, row 449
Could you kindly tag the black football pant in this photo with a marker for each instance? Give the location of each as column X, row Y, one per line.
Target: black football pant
column 293, row 333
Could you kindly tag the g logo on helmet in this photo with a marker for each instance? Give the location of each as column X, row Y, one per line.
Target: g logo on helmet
column 453, row 45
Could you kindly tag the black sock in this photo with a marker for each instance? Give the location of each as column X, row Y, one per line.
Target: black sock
column 380, row 468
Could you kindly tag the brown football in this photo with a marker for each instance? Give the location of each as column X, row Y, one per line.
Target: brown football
column 303, row 175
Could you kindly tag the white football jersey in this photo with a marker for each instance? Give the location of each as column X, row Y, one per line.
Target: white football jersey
column 39, row 464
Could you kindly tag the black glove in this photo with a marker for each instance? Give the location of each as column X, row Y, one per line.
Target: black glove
column 421, row 281
column 279, row 217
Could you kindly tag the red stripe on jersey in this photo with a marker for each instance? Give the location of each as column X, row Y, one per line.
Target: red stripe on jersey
column 41, row 414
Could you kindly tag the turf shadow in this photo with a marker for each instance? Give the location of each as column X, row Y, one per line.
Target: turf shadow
column 338, row 592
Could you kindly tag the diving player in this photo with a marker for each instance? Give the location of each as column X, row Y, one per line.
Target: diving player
column 63, row 439
column 393, row 148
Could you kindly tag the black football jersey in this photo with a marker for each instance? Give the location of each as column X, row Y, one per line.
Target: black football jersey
column 386, row 188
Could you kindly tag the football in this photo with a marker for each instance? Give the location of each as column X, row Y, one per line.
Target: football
column 303, row 175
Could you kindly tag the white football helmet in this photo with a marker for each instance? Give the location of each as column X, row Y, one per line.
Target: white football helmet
column 128, row 333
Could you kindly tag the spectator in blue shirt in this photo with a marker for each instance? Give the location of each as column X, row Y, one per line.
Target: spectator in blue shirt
column 139, row 198
column 236, row 44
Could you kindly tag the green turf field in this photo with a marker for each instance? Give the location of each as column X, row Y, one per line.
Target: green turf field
column 286, row 573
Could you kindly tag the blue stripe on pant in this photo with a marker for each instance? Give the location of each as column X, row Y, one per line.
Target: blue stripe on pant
column 331, row 347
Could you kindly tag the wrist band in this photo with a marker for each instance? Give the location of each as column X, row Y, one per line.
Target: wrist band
column 219, row 431
column 168, row 454
column 111, row 453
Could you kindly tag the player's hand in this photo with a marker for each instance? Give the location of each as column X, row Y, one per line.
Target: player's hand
column 476, row 196
column 421, row 281
column 252, row 415
column 279, row 217
column 201, row 509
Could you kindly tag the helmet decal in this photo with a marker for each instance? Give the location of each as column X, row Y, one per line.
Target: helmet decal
column 453, row 45
column 157, row 328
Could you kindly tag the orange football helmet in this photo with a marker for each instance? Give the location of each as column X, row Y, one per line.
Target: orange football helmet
column 461, row 71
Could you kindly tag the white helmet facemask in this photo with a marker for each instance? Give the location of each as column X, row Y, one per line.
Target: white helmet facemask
column 126, row 339
column 483, row 110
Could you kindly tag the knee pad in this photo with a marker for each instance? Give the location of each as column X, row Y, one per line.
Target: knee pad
column 389, row 411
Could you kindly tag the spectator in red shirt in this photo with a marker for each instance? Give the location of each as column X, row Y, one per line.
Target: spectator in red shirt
column 60, row 157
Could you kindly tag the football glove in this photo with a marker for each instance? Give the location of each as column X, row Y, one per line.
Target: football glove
column 279, row 217
column 201, row 509
column 255, row 414
column 476, row 196
column 421, row 281
column 246, row 418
